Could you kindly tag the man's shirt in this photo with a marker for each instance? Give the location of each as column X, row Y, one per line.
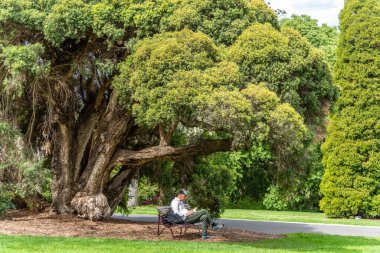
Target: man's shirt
column 178, row 207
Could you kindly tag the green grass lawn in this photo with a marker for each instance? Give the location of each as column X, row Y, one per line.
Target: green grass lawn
column 292, row 243
column 265, row 215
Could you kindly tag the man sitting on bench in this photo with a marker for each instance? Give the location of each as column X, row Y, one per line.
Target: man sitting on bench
column 193, row 216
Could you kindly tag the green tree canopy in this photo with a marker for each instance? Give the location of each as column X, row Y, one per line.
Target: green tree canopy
column 323, row 37
column 352, row 150
column 180, row 78
column 222, row 20
column 287, row 64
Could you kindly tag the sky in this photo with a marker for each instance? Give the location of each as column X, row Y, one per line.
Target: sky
column 325, row 11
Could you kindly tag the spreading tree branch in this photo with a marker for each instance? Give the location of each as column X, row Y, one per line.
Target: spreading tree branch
column 138, row 158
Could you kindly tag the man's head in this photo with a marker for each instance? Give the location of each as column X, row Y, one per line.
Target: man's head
column 182, row 194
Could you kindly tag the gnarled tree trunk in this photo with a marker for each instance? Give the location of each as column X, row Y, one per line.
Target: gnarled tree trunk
column 87, row 152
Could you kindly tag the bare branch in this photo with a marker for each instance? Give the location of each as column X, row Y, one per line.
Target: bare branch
column 165, row 137
column 138, row 158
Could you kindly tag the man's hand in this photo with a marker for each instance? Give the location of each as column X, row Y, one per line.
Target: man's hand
column 189, row 213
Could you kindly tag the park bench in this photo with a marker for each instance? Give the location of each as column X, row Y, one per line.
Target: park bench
column 183, row 227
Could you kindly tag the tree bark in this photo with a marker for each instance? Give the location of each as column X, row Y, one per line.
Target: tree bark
column 138, row 158
column 133, row 191
column 90, row 200
column 117, row 187
column 62, row 191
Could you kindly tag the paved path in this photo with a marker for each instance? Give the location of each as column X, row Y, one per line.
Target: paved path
column 274, row 227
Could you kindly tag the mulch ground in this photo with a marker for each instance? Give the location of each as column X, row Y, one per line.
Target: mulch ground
column 46, row 223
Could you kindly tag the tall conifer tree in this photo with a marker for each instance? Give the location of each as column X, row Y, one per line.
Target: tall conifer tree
column 351, row 183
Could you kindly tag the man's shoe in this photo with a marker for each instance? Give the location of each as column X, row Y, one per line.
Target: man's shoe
column 217, row 226
column 205, row 237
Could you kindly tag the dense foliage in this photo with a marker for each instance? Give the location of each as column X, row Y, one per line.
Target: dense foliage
column 24, row 179
column 323, row 37
column 296, row 71
column 105, row 88
column 287, row 64
column 352, row 150
column 222, row 20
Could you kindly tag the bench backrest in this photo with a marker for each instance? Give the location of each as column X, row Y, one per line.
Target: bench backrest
column 163, row 210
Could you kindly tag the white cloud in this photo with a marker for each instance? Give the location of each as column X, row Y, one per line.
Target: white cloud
column 325, row 11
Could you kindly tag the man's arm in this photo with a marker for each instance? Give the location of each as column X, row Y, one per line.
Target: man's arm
column 175, row 206
column 182, row 212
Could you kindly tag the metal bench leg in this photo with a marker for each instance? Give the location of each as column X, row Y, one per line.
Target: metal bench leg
column 158, row 225
column 171, row 230
column 160, row 232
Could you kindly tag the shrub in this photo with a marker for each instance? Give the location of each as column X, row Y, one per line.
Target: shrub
column 273, row 200
column 148, row 191
column 210, row 185
column 34, row 185
column 5, row 200
column 22, row 176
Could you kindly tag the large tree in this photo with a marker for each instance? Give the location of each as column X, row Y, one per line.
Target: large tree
column 352, row 150
column 101, row 86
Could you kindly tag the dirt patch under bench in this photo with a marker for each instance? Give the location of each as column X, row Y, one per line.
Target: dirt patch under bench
column 46, row 223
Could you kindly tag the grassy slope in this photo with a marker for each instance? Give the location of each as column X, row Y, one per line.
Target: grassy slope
column 265, row 215
column 293, row 243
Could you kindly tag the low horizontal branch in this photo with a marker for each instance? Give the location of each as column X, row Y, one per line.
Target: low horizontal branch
column 137, row 158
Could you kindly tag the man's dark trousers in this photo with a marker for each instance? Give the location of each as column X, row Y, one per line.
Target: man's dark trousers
column 200, row 216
